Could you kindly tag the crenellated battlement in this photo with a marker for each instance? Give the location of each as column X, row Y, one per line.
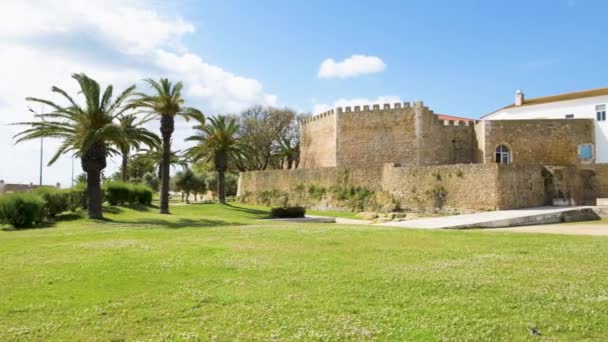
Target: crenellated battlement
column 373, row 107
column 387, row 107
column 317, row 117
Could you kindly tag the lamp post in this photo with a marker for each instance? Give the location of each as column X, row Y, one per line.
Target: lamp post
column 41, row 144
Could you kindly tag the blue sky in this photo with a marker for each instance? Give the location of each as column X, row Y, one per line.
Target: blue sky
column 462, row 58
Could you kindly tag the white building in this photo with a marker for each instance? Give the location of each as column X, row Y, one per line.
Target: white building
column 588, row 104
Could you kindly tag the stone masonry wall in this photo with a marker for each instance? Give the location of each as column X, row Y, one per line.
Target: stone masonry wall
column 418, row 188
column 374, row 136
column 520, row 186
column 460, row 186
column 540, row 142
column 318, row 141
column 443, row 142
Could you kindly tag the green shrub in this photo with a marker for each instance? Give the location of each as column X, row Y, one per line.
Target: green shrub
column 22, row 209
column 141, row 194
column 272, row 198
column 118, row 193
column 77, row 198
column 287, row 212
column 56, row 200
column 316, row 192
column 356, row 198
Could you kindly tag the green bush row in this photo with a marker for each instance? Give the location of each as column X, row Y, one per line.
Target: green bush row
column 118, row 193
column 22, row 210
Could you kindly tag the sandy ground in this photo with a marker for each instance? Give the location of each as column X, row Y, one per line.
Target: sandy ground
column 583, row 228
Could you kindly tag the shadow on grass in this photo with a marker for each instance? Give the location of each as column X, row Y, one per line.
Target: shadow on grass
column 257, row 212
column 176, row 224
column 47, row 224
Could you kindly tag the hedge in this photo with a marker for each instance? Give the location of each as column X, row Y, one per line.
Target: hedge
column 56, row 200
column 118, row 193
column 22, row 210
column 287, row 212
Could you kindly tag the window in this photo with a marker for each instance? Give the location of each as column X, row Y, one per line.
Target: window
column 600, row 112
column 569, row 116
column 503, row 156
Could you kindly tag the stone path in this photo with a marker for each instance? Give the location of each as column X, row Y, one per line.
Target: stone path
column 490, row 219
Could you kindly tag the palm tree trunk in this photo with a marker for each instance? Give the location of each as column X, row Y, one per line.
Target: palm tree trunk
column 221, row 164
column 95, row 196
column 93, row 161
column 221, row 186
column 125, row 161
column 167, row 126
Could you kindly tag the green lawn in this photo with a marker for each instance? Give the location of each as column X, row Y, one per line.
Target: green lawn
column 216, row 272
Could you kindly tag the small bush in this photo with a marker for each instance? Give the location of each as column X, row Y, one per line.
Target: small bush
column 287, row 212
column 56, row 200
column 77, row 198
column 22, row 210
column 118, row 193
column 316, row 192
column 141, row 194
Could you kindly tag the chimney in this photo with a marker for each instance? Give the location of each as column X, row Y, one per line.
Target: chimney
column 519, row 98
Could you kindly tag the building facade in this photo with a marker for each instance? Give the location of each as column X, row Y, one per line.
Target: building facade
column 588, row 104
column 414, row 135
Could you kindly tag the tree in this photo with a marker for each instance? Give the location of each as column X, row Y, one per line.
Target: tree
column 154, row 159
column 167, row 103
column 135, row 136
column 151, row 180
column 87, row 131
column 262, row 129
column 187, row 182
column 217, row 143
column 232, row 183
column 288, row 153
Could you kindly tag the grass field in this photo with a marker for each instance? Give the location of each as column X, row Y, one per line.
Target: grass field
column 217, row 272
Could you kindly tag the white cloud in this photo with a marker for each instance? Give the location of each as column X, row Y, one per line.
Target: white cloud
column 353, row 66
column 118, row 42
column 358, row 101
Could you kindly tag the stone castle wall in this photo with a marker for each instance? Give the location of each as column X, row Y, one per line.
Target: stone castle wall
column 540, row 142
column 443, row 142
column 374, row 135
column 459, row 186
column 418, row 188
column 318, row 141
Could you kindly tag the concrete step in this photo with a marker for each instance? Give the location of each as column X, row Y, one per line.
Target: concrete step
column 503, row 218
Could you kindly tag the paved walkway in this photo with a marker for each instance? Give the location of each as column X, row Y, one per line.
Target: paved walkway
column 500, row 218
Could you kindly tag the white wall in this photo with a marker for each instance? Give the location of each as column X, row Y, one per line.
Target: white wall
column 581, row 108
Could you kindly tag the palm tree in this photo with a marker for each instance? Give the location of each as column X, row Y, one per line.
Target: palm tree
column 87, row 131
column 217, row 143
column 167, row 102
column 154, row 158
column 288, row 151
column 135, row 135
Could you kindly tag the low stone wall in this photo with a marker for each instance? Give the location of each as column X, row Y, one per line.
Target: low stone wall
column 521, row 186
column 452, row 187
column 418, row 188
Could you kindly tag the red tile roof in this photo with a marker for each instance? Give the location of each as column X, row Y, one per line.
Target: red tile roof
column 453, row 118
